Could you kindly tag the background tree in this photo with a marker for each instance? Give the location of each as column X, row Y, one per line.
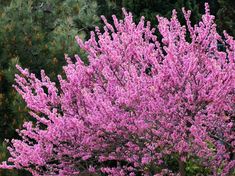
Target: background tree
column 150, row 8
column 226, row 16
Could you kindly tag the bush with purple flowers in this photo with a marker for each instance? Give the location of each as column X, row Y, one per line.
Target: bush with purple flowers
column 140, row 101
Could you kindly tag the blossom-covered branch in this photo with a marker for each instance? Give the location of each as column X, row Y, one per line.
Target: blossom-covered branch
column 138, row 101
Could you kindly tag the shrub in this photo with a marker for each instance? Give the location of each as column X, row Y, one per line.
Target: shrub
column 140, row 104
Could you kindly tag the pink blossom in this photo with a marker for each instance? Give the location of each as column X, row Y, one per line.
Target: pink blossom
column 138, row 101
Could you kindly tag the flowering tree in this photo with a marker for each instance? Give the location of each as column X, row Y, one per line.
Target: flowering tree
column 138, row 102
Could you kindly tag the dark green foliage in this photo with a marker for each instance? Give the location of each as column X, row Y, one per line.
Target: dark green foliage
column 226, row 16
column 150, row 8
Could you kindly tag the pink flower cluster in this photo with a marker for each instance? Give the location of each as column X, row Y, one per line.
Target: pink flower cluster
column 139, row 100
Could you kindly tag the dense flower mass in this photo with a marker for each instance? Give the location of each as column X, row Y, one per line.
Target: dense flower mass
column 140, row 101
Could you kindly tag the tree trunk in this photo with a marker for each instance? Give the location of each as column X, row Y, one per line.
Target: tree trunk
column 182, row 168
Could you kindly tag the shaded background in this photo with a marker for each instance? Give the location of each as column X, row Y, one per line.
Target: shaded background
column 37, row 33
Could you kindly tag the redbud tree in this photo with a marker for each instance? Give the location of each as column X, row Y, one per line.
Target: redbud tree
column 139, row 101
